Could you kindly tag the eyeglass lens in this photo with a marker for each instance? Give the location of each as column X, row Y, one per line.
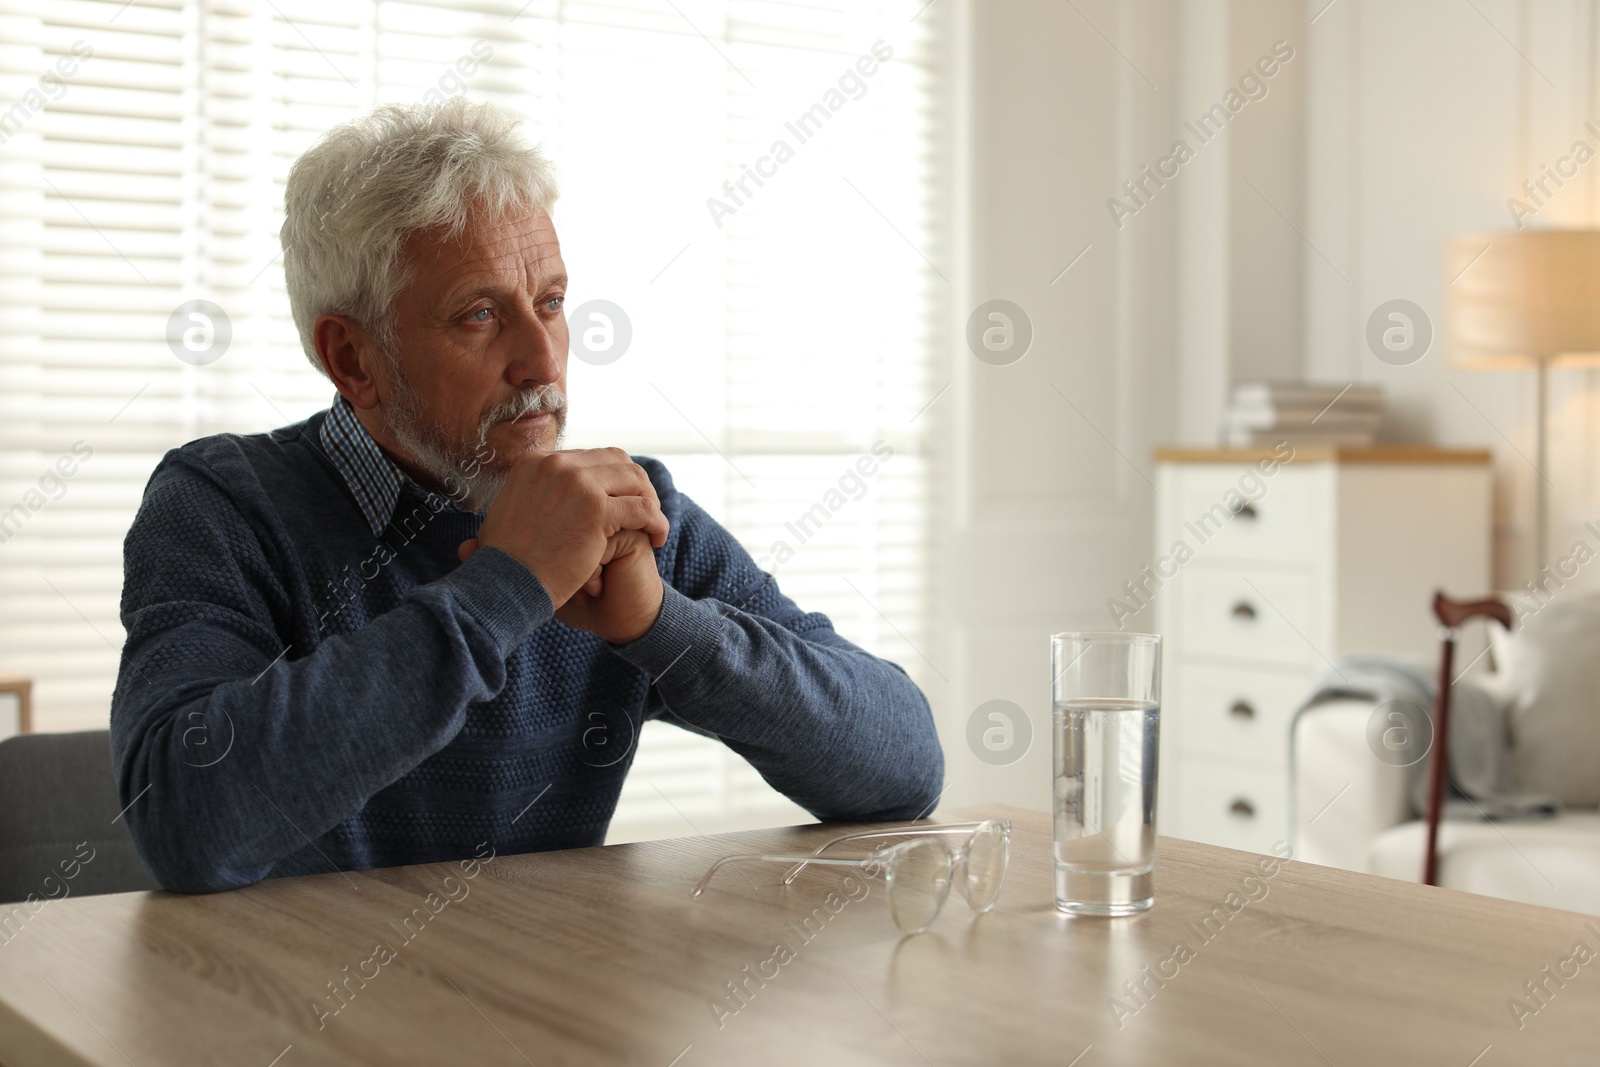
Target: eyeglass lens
column 986, row 866
column 919, row 883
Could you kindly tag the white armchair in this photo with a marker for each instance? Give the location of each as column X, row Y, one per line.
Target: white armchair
column 1353, row 810
column 1344, row 798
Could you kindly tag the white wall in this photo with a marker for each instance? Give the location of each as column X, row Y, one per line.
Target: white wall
column 1239, row 283
column 1050, row 491
column 1422, row 118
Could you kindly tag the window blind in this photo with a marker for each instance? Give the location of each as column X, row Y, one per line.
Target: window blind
column 781, row 300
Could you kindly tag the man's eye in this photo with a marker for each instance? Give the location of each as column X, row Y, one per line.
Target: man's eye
column 474, row 317
column 555, row 302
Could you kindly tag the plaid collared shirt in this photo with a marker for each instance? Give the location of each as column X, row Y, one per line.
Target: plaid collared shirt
column 371, row 475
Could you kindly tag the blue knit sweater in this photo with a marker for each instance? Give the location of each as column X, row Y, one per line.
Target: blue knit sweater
column 298, row 696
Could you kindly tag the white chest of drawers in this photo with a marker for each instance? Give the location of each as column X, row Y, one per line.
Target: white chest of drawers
column 1269, row 567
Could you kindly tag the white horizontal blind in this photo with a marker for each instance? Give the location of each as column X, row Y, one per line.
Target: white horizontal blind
column 775, row 336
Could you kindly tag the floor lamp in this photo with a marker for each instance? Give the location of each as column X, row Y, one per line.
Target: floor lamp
column 1512, row 299
column 1524, row 298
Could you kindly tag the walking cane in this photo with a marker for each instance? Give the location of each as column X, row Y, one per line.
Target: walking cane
column 1451, row 614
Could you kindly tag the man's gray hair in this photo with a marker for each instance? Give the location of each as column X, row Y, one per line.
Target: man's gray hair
column 356, row 195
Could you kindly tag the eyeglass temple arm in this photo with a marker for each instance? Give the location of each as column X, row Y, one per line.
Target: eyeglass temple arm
column 867, row 835
column 700, row 887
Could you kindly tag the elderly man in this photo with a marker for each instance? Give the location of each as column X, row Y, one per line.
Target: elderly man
column 412, row 625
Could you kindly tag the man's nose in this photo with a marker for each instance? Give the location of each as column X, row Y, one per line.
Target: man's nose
column 536, row 358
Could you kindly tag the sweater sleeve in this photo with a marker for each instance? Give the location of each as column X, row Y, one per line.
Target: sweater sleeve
column 841, row 732
column 233, row 751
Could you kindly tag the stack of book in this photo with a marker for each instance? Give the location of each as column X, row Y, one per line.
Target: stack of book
column 1302, row 413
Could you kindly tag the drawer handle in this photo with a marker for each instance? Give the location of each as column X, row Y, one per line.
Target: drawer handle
column 1243, row 809
column 1245, row 511
column 1242, row 710
column 1244, row 610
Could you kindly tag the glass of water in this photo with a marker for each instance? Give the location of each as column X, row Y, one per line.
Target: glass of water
column 1107, row 719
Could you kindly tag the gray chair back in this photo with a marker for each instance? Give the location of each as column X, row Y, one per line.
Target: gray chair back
column 58, row 797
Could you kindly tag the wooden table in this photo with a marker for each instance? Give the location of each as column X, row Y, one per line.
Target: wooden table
column 599, row 956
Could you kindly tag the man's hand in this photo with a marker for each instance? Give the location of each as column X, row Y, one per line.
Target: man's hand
column 559, row 515
column 622, row 598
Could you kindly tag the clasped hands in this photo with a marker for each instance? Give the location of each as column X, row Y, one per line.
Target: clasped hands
column 584, row 522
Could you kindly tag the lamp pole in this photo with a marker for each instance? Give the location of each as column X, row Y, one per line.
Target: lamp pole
column 1541, row 524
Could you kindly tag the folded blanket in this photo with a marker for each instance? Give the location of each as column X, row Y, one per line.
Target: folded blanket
column 1480, row 782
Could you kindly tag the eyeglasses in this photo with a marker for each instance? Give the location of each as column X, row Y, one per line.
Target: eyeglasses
column 918, row 872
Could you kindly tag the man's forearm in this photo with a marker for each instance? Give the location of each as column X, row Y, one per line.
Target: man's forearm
column 308, row 740
column 841, row 732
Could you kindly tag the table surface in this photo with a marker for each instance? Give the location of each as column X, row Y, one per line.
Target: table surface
column 600, row 956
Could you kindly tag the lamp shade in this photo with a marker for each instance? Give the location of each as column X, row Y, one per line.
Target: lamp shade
column 1519, row 296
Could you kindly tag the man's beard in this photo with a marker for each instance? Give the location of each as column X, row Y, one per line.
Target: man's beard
column 470, row 471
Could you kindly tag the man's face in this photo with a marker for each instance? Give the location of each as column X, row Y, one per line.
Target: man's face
column 480, row 372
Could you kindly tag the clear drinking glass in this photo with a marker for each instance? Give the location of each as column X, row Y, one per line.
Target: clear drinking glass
column 1107, row 721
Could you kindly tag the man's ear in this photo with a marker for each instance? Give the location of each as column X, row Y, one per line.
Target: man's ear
column 349, row 357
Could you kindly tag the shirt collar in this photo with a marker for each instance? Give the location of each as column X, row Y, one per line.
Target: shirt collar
column 372, row 476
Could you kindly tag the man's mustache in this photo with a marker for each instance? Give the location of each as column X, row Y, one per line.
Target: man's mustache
column 543, row 398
